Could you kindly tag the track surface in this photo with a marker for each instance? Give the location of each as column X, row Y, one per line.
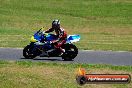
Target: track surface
column 91, row 57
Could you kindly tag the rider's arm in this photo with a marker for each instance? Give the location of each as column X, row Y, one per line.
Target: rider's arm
column 49, row 30
column 62, row 33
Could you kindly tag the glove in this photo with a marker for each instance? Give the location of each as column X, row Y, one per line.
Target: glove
column 50, row 42
column 54, row 42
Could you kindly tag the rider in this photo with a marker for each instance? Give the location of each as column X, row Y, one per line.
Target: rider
column 60, row 34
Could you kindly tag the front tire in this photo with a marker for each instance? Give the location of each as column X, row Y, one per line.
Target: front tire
column 27, row 52
column 71, row 52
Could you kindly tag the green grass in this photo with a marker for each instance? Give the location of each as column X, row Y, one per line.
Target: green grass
column 102, row 24
column 27, row 74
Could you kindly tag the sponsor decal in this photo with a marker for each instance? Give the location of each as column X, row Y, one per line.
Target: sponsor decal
column 83, row 78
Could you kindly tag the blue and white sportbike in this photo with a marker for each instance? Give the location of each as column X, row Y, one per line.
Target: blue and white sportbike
column 41, row 43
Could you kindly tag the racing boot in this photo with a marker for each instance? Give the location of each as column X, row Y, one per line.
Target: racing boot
column 62, row 51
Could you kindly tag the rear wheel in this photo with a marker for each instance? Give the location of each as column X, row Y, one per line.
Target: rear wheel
column 71, row 52
column 27, row 52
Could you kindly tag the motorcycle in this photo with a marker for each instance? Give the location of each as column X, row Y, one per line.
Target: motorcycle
column 41, row 42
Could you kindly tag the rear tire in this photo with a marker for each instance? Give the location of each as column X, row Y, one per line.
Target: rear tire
column 27, row 52
column 71, row 52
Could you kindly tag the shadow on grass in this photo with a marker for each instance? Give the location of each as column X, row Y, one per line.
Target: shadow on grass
column 44, row 59
column 48, row 59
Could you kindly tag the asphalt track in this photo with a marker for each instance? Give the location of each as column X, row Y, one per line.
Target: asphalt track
column 90, row 57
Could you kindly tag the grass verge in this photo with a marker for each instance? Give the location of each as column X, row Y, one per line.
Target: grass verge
column 102, row 24
column 27, row 74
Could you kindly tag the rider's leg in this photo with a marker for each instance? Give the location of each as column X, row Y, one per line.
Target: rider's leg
column 59, row 44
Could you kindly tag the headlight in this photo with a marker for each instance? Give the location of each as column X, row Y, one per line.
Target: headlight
column 33, row 39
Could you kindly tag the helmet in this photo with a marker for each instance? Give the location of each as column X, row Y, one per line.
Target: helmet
column 56, row 24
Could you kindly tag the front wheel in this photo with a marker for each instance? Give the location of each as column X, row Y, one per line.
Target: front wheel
column 27, row 52
column 71, row 52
